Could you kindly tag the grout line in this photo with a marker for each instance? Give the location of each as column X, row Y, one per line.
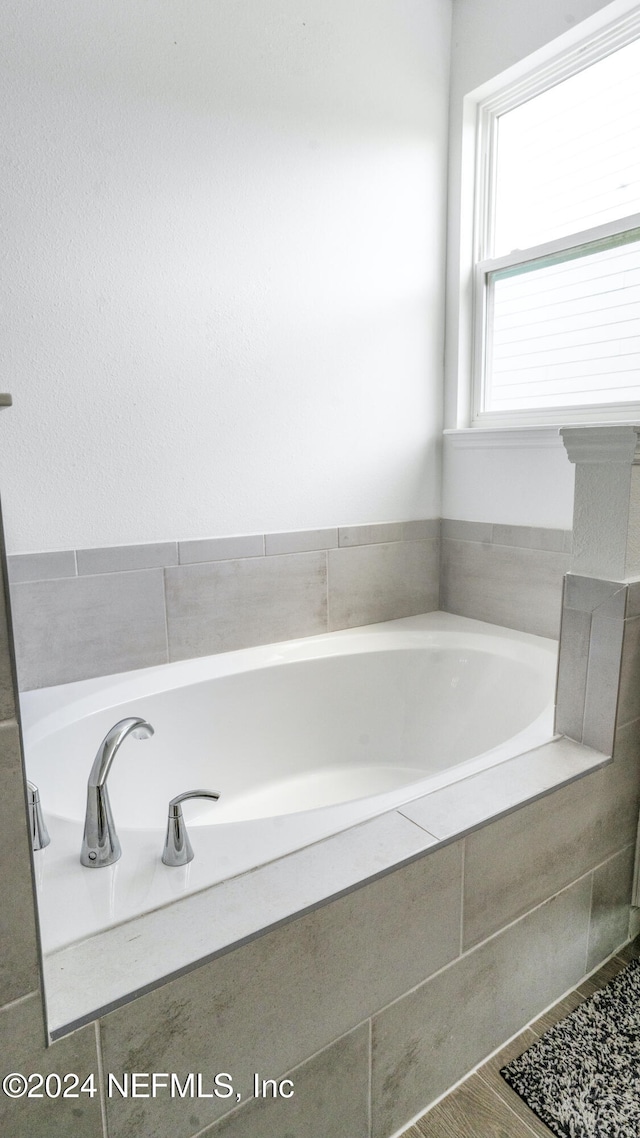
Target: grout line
column 462, row 876
column 290, row 1071
column 166, row 614
column 589, row 924
column 492, row 936
column 102, row 1090
column 370, row 1088
column 20, row 1000
column 326, row 563
column 585, row 688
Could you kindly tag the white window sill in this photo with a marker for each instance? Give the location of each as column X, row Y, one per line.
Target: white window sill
column 496, row 437
column 540, row 436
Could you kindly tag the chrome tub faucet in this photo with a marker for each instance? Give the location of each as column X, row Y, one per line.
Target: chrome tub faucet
column 37, row 826
column 177, row 847
column 100, row 844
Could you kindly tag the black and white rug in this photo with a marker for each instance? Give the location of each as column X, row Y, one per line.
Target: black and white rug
column 582, row 1077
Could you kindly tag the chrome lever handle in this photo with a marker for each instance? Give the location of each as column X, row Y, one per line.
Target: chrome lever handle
column 177, row 847
column 37, row 827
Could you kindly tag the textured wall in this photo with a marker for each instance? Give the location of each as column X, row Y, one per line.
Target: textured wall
column 223, row 285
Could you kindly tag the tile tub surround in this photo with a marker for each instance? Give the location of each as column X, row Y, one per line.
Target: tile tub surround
column 89, row 612
column 101, row 971
column 599, row 663
column 351, row 1000
column 509, row 575
column 374, row 976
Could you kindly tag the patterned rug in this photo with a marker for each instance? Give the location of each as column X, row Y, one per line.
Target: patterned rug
column 582, row 1077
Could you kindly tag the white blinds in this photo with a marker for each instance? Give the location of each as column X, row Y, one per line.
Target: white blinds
column 566, row 329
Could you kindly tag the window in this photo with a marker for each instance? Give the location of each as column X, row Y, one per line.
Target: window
column 557, row 278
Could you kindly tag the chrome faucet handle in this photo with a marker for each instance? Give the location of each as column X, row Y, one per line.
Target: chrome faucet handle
column 100, row 843
column 177, row 847
column 37, row 828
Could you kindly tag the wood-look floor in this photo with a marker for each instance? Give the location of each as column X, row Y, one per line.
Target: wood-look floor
column 484, row 1106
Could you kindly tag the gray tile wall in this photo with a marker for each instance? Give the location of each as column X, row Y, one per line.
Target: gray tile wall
column 88, row 612
column 599, row 664
column 509, row 575
column 372, row 1005
column 91, row 612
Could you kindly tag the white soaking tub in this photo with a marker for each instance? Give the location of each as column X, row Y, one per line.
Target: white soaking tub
column 301, row 740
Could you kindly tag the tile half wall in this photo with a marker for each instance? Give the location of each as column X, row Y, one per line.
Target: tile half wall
column 91, row 612
column 509, row 575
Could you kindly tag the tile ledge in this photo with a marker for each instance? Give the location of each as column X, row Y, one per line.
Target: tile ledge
column 139, row 942
column 531, row 765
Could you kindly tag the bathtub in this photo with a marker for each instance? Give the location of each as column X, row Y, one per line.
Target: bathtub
column 301, row 740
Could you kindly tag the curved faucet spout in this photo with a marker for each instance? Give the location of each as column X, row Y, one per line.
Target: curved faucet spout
column 114, row 738
column 100, row 844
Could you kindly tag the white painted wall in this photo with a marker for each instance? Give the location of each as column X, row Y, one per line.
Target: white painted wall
column 223, row 266
column 516, row 485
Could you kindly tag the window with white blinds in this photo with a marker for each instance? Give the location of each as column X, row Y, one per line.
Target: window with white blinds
column 558, row 280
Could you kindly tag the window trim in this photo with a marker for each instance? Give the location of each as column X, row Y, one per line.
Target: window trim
column 489, row 102
column 588, row 240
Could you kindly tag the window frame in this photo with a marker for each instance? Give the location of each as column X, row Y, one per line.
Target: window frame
column 504, row 97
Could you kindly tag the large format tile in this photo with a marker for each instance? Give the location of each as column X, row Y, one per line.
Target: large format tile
column 22, row 1049
column 75, row 628
column 572, row 672
column 370, row 583
column 18, row 947
column 603, row 671
column 329, row 1099
column 429, row 1039
column 519, row 588
column 610, row 902
column 629, row 699
column 626, row 749
column 525, row 857
column 287, row 994
column 223, row 605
